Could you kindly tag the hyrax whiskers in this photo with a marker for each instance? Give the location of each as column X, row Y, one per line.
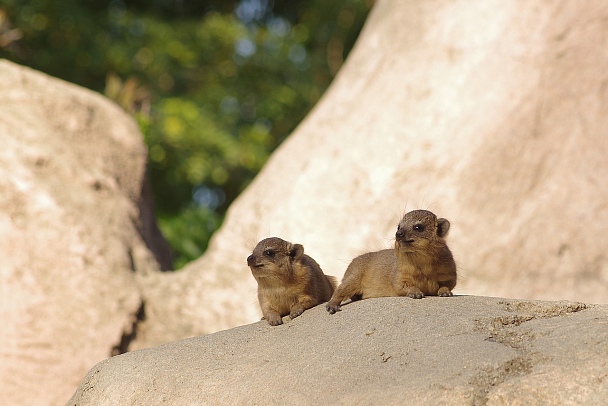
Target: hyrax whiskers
column 420, row 264
column 289, row 281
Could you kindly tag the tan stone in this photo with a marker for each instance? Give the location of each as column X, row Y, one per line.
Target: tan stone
column 463, row 350
column 71, row 234
column 491, row 114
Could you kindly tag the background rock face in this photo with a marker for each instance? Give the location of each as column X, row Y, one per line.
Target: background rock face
column 387, row 351
column 492, row 114
column 71, row 172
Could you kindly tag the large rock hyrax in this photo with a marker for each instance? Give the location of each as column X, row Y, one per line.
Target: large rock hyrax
column 421, row 264
column 289, row 281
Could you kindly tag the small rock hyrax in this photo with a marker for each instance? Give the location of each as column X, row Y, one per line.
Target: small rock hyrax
column 421, row 264
column 289, row 281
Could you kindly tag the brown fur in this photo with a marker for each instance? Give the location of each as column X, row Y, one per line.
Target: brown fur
column 289, row 281
column 421, row 264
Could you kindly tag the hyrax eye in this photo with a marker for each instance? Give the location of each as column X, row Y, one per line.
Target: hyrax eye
column 419, row 228
column 269, row 253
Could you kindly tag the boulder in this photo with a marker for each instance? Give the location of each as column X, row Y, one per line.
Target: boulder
column 386, row 351
column 73, row 226
column 491, row 114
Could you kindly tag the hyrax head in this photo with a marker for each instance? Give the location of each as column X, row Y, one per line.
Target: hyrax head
column 418, row 229
column 273, row 257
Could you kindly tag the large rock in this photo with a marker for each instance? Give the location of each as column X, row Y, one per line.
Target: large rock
column 492, row 114
column 458, row 351
column 71, row 234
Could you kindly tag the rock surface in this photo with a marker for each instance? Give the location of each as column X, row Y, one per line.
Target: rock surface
column 492, row 114
column 72, row 234
column 460, row 350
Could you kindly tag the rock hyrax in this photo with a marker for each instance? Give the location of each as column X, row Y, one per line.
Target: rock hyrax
column 421, row 264
column 289, row 281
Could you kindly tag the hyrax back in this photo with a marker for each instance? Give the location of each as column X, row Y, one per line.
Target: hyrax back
column 420, row 264
column 289, row 281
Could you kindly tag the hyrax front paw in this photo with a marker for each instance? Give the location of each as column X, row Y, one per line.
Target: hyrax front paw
column 332, row 307
column 413, row 292
column 274, row 319
column 444, row 292
column 296, row 311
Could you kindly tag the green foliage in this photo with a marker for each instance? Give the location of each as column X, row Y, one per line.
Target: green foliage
column 189, row 229
column 216, row 86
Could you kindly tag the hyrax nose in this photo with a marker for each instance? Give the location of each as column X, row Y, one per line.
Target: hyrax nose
column 250, row 259
column 400, row 234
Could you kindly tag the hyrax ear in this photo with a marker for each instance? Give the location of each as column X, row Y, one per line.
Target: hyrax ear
column 443, row 226
column 296, row 251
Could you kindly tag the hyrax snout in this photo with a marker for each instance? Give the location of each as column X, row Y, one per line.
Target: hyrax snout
column 289, row 281
column 420, row 264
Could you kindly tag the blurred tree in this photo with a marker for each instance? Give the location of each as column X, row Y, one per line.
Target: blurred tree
column 215, row 85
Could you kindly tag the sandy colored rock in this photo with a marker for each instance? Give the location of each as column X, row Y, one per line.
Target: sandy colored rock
column 71, row 234
column 491, row 114
column 461, row 350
